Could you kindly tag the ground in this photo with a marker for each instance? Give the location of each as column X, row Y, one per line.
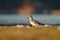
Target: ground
column 34, row 33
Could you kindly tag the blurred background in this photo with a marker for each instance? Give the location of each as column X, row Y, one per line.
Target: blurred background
column 16, row 11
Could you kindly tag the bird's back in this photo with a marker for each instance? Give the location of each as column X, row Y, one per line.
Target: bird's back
column 38, row 22
column 35, row 23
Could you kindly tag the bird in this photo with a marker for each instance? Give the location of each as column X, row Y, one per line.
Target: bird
column 34, row 22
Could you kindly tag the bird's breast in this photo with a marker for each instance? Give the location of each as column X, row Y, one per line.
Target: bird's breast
column 32, row 23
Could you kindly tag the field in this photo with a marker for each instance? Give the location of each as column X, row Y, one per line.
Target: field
column 34, row 33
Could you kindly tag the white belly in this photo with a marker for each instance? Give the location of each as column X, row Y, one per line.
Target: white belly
column 33, row 24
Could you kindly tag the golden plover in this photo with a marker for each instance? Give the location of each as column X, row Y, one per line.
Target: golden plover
column 34, row 22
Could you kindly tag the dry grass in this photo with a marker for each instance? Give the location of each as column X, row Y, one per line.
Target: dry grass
column 15, row 33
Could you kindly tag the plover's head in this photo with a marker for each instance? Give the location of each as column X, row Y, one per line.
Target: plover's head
column 30, row 17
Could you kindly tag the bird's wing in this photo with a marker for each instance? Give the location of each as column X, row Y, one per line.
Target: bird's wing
column 38, row 22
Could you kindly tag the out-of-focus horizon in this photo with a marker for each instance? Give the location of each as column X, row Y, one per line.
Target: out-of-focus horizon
column 30, row 6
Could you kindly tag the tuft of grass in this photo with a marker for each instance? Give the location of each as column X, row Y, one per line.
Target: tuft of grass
column 34, row 33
